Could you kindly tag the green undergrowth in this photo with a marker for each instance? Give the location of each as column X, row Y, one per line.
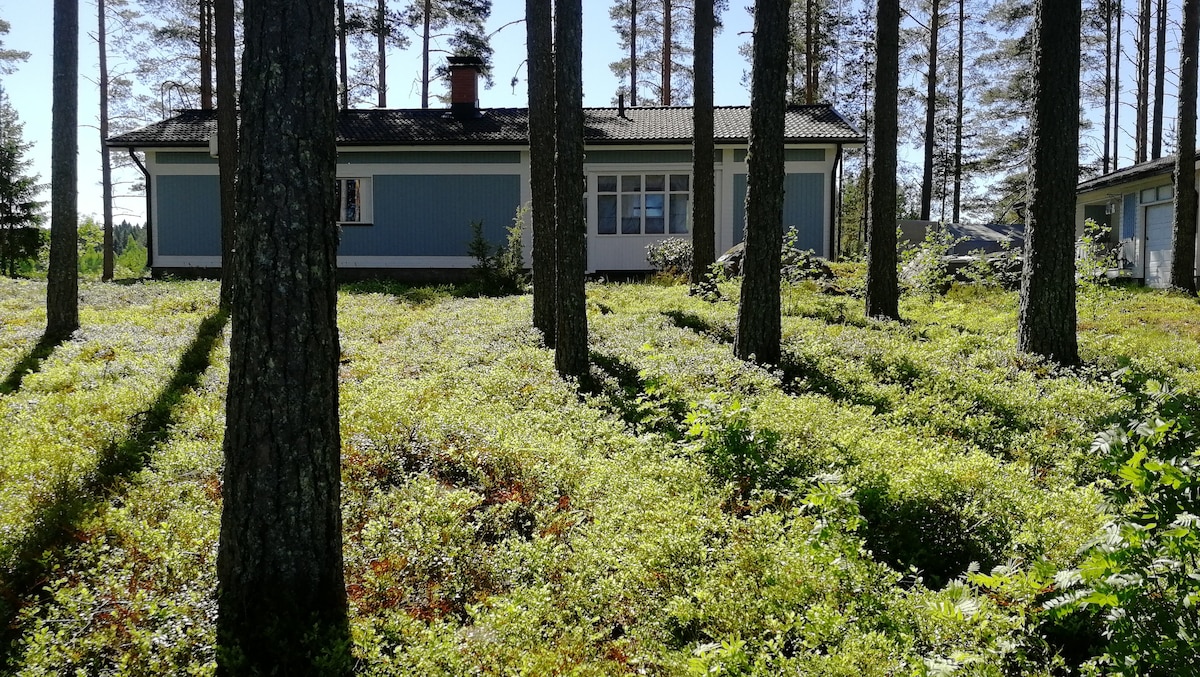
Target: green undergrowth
column 679, row 512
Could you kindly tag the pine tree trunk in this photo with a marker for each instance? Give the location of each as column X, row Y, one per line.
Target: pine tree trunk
column 223, row 20
column 1116, row 125
column 633, row 55
column 666, row 53
column 105, row 161
column 343, row 61
column 703, row 147
column 1108, row 12
column 1183, row 239
column 958, row 113
column 1143, row 83
column 62, row 286
column 281, row 593
column 571, row 332
column 759, row 328
column 1046, row 320
column 1160, row 69
column 425, row 46
column 540, row 45
column 930, row 111
column 381, row 46
column 206, row 60
column 810, row 51
column 883, row 288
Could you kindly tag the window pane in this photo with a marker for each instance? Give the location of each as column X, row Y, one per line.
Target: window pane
column 1148, row 195
column 606, row 184
column 679, row 214
column 606, row 214
column 654, row 213
column 631, row 214
column 631, row 184
column 655, row 182
column 679, row 182
column 350, row 209
column 1166, row 192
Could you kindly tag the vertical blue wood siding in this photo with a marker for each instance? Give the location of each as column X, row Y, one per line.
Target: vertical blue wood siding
column 803, row 208
column 1129, row 217
column 431, row 215
column 189, row 215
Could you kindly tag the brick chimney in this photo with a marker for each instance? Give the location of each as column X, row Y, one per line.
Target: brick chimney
column 464, row 86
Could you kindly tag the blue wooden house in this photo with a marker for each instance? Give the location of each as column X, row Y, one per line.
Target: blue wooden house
column 411, row 182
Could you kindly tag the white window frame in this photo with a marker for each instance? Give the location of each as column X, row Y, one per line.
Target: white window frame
column 619, row 194
column 365, row 202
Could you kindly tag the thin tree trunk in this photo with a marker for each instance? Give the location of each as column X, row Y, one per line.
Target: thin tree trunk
column 666, row 53
column 1183, row 239
column 1160, row 69
column 883, row 288
column 540, row 45
column 930, row 110
column 227, row 119
column 381, row 45
column 571, row 332
column 703, row 147
column 62, row 286
column 282, row 606
column 1143, row 83
column 759, row 322
column 958, row 114
column 425, row 37
column 1108, row 36
column 810, row 52
column 633, row 55
column 105, row 160
column 206, row 60
column 1046, row 319
column 343, row 62
column 1116, row 140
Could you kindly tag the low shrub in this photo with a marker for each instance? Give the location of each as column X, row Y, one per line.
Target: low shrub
column 672, row 256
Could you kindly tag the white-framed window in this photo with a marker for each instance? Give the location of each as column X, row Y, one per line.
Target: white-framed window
column 1159, row 194
column 354, row 201
column 643, row 204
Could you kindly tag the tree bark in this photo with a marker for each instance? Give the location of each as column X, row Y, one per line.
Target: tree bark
column 540, row 45
column 62, row 286
column 425, row 37
column 1108, row 37
column 811, row 13
column 105, row 160
column 1143, row 83
column 958, row 113
column 1183, row 237
column 381, row 46
column 1116, row 139
column 1160, row 69
column 930, row 111
column 343, row 61
column 227, row 120
column 206, row 60
column 883, row 287
column 281, row 595
column 571, row 332
column 666, row 53
column 633, row 55
column 1046, row 320
column 759, row 328
column 703, row 147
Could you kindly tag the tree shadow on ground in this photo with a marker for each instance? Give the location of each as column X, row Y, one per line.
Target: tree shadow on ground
column 31, row 362
column 27, row 565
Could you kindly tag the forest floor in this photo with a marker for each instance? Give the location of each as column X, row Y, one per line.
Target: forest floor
column 682, row 512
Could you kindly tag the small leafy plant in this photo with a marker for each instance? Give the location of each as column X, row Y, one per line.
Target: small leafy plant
column 672, row 256
column 1143, row 569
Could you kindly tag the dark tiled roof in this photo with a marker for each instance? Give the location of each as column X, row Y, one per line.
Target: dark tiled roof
column 509, row 126
column 1145, row 170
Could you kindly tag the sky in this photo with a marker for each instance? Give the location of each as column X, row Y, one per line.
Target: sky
column 29, row 87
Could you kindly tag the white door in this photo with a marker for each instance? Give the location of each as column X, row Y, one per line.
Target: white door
column 1158, row 244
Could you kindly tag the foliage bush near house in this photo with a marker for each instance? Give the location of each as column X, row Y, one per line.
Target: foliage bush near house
column 672, row 256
